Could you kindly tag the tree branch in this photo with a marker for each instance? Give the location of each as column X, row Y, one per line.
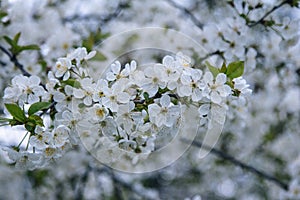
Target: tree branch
column 95, row 17
column 14, row 60
column 187, row 12
column 261, row 20
column 236, row 162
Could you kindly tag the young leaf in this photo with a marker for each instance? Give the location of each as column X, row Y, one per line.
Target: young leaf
column 17, row 37
column 29, row 47
column 2, row 119
column 16, row 112
column 212, row 69
column 99, row 57
column 37, row 107
column 72, row 82
column 37, row 120
column 235, row 69
column 9, row 41
column 223, row 68
column 2, row 14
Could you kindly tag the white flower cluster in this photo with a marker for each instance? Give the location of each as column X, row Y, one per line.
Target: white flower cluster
column 131, row 106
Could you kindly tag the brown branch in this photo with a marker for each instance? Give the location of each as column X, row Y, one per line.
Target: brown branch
column 261, row 20
column 187, row 12
column 236, row 162
column 14, row 60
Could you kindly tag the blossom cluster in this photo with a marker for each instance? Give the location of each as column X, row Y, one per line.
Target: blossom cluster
column 130, row 105
column 264, row 133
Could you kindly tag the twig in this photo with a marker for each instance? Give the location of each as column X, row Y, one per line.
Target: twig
column 236, row 162
column 95, row 17
column 14, row 60
column 268, row 13
column 187, row 12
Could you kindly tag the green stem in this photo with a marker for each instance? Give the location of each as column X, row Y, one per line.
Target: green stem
column 22, row 140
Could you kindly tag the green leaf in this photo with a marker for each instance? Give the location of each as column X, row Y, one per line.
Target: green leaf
column 16, row 112
column 99, row 57
column 9, row 41
column 94, row 38
column 14, row 122
column 38, row 106
column 29, row 47
column 37, row 120
column 223, row 68
column 2, row 14
column 17, row 37
column 2, row 119
column 235, row 69
column 72, row 82
column 146, row 95
column 212, row 69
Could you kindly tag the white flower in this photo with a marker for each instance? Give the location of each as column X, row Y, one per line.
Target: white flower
column 86, row 92
column 183, row 60
column 51, row 82
column 60, row 135
column 28, row 88
column 23, row 159
column 116, row 72
column 125, row 116
column 80, row 54
column 170, row 72
column 12, row 94
column 241, row 85
column 62, row 67
column 129, row 68
column 98, row 112
column 116, row 95
column 101, row 86
column 190, row 85
column 154, row 79
column 41, row 139
column 216, row 90
column 166, row 114
column 64, row 100
column 75, row 121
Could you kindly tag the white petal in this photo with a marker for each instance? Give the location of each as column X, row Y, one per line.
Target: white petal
column 196, row 95
column 215, row 97
column 110, row 76
column 168, row 61
column 221, row 79
column 116, row 67
column 185, row 79
column 184, row 91
column 34, row 80
column 68, row 90
column 88, row 100
column 208, row 77
column 90, row 55
column 58, row 97
column 165, row 100
column 204, row 109
column 78, row 93
column 123, row 97
column 66, row 76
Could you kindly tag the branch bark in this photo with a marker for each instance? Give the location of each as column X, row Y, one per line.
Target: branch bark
column 239, row 163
